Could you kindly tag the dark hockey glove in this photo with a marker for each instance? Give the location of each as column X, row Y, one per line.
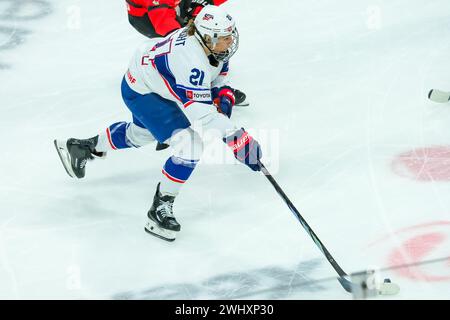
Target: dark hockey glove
column 170, row 3
column 196, row 6
column 246, row 149
column 224, row 100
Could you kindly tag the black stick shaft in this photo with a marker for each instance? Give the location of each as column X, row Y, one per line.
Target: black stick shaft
column 346, row 284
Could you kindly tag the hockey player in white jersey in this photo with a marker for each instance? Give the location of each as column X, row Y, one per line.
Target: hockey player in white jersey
column 171, row 84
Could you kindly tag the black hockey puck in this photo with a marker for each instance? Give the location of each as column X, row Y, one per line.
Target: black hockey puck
column 387, row 280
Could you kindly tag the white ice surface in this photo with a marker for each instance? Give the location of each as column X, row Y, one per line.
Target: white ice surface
column 341, row 86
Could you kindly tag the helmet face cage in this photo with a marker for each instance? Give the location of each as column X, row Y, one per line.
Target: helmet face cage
column 221, row 56
column 211, row 24
column 226, row 55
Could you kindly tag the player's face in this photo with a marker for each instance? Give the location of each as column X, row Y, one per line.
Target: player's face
column 223, row 44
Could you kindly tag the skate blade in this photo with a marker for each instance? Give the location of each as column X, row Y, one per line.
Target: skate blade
column 64, row 155
column 439, row 96
column 152, row 228
column 244, row 103
column 101, row 155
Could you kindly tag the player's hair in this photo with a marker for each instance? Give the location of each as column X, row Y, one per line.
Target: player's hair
column 191, row 31
column 191, row 28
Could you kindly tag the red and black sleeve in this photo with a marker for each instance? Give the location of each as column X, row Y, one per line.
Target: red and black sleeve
column 198, row 5
column 153, row 20
column 163, row 19
column 218, row 2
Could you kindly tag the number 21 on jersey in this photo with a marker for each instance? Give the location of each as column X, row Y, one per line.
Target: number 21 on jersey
column 197, row 77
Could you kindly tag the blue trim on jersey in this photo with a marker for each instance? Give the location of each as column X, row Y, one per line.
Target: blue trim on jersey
column 225, row 67
column 190, row 88
column 179, row 168
column 162, row 66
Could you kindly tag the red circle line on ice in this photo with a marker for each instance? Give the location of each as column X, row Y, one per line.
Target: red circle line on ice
column 416, row 243
column 424, row 164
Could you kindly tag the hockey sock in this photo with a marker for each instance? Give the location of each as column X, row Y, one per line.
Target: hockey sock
column 175, row 173
column 114, row 138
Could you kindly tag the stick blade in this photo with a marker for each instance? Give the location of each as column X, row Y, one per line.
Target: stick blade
column 346, row 284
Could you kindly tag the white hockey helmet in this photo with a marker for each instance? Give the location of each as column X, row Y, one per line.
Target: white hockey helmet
column 213, row 22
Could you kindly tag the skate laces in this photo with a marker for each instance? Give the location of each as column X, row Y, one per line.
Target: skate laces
column 165, row 209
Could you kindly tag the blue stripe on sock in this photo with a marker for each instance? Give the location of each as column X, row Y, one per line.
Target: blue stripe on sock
column 179, row 168
column 118, row 132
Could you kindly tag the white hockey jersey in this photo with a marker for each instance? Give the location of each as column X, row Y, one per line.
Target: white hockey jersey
column 177, row 68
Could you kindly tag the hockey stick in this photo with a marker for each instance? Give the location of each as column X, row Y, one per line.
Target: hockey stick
column 346, row 284
column 385, row 288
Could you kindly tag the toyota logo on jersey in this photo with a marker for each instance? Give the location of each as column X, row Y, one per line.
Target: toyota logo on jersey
column 198, row 95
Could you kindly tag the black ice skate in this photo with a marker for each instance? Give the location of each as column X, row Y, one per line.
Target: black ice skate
column 240, row 98
column 74, row 154
column 161, row 221
column 161, row 146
